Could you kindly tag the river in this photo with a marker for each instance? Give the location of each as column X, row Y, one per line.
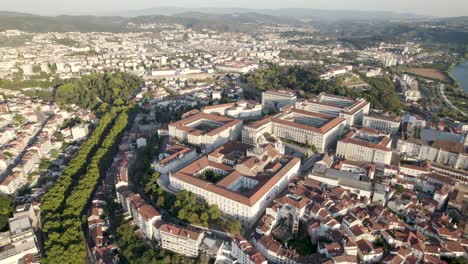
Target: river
column 460, row 73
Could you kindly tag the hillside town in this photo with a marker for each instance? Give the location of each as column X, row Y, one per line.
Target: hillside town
column 213, row 169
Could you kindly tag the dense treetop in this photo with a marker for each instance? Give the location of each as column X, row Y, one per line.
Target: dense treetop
column 89, row 91
column 381, row 94
column 305, row 78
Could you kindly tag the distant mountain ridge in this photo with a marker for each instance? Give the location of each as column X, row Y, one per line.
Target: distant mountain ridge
column 280, row 12
column 340, row 24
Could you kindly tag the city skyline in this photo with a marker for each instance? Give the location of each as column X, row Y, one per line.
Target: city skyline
column 53, row 7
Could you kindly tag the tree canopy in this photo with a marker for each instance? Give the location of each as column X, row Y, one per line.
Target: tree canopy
column 305, row 78
column 89, row 91
column 6, row 209
column 65, row 202
column 382, row 94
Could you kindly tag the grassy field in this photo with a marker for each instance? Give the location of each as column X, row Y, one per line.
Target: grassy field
column 433, row 74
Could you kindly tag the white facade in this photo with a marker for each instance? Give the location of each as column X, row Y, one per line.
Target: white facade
column 242, row 109
column 176, row 163
column 247, row 214
column 307, row 128
column 225, row 130
column 244, row 253
column 277, row 99
column 383, row 124
column 357, row 148
column 79, row 132
column 180, row 240
column 351, row 110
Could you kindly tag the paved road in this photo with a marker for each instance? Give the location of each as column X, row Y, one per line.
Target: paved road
column 442, row 92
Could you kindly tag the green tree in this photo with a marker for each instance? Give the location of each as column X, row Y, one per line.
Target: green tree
column 6, row 209
column 214, row 212
column 233, row 226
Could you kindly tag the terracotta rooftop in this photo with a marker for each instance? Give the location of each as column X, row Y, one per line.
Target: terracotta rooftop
column 180, row 231
column 226, row 122
column 266, row 181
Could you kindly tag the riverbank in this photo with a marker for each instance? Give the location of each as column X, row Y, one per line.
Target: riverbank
column 463, row 84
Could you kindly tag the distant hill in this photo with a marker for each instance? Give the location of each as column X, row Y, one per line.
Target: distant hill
column 297, row 13
column 35, row 23
column 351, row 26
column 245, row 22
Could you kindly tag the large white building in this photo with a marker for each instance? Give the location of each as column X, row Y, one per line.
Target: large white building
column 237, row 67
column 242, row 109
column 278, row 99
column 297, row 125
column 353, row 110
column 248, row 179
column 365, row 145
column 206, row 130
column 180, row 240
column 383, row 122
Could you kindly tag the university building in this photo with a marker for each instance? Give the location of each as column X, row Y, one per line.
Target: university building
column 249, row 179
column 297, row 125
column 352, row 110
column 383, row 122
column 278, row 99
column 367, row 145
column 206, row 130
column 242, row 109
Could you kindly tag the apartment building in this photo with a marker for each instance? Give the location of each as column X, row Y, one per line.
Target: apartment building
column 275, row 252
column 147, row 216
column 297, row 125
column 278, row 99
column 383, row 122
column 440, row 151
column 243, row 252
column 242, row 109
column 12, row 183
column 352, row 110
column 365, row 145
column 249, row 178
column 180, row 240
column 80, row 132
column 20, row 240
column 206, row 130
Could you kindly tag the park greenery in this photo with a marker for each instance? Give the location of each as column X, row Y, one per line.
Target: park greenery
column 303, row 78
column 20, row 83
column 64, row 203
column 307, row 79
column 111, row 88
column 382, row 95
column 6, row 210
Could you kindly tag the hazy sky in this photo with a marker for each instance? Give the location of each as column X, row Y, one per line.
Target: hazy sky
column 51, row 7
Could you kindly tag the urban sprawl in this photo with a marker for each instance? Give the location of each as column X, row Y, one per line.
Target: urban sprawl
column 211, row 167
